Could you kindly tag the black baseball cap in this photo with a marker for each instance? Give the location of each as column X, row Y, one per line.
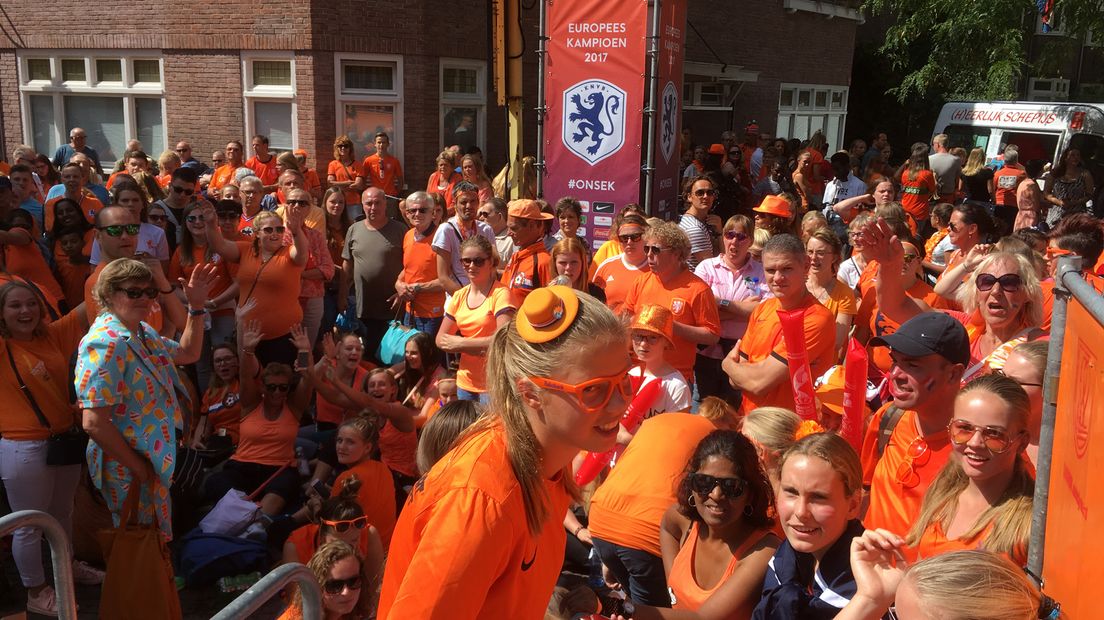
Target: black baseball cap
column 929, row 333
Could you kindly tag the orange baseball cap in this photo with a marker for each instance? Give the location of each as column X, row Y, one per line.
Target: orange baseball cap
column 528, row 209
column 716, row 149
column 546, row 312
column 298, row 152
column 657, row 320
column 829, row 389
column 775, row 205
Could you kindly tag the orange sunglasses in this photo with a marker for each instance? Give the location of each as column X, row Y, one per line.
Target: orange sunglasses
column 594, row 394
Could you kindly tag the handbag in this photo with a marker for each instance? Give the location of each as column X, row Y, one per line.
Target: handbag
column 67, row 448
column 235, row 511
column 139, row 583
column 392, row 347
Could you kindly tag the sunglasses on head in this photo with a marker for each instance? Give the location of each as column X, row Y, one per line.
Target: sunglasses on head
column 117, row 230
column 701, row 193
column 187, row 191
column 631, row 237
column 595, row 394
column 478, row 262
column 277, row 387
column 703, row 484
column 1000, row 372
column 268, row 230
column 343, row 526
column 337, row 586
column 150, row 292
column 1009, row 282
column 298, row 203
column 735, row 234
column 418, row 211
column 996, row 439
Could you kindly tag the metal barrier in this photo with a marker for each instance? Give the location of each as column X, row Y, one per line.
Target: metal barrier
column 60, row 555
column 252, row 599
column 1067, row 282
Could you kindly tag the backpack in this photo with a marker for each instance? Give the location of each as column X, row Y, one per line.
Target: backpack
column 204, row 558
column 886, row 425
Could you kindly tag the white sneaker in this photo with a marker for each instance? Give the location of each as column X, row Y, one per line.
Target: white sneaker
column 87, row 575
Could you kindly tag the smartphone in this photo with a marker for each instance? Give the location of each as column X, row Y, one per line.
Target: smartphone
column 320, row 488
column 303, row 359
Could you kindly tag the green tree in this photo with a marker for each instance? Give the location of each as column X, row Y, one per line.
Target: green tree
column 970, row 49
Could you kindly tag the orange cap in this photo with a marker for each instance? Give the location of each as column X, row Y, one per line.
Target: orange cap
column 298, row 152
column 829, row 389
column 716, row 149
column 546, row 312
column 656, row 319
column 527, row 209
column 775, row 205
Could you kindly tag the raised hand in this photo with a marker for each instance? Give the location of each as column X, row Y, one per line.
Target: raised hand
column 878, row 565
column 976, row 255
column 329, row 347
column 299, row 338
column 881, row 244
column 250, row 334
column 199, row 284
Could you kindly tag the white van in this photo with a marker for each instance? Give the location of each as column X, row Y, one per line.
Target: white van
column 1042, row 131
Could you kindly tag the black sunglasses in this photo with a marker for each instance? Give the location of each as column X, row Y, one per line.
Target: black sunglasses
column 227, row 215
column 187, row 191
column 117, row 230
column 478, row 262
column 277, row 387
column 337, row 586
column 298, row 203
column 705, row 192
column 268, row 230
column 418, row 211
column 703, row 484
column 735, row 234
column 135, row 293
column 630, row 237
column 654, row 249
column 1009, row 282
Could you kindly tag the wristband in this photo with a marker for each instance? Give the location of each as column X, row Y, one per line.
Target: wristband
column 248, row 352
column 577, row 530
column 168, row 292
column 194, row 312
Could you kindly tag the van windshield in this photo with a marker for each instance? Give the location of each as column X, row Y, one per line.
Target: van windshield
column 967, row 137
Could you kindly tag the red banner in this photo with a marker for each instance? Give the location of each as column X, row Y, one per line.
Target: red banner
column 594, row 95
column 668, row 142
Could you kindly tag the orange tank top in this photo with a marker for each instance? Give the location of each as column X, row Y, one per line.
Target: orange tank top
column 685, row 591
column 267, row 442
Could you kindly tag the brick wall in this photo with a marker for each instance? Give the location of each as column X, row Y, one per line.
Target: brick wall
column 203, row 99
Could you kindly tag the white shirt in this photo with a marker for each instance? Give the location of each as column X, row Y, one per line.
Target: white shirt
column 674, row 394
column 151, row 240
column 836, row 190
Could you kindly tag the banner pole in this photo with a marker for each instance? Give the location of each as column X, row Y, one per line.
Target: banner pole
column 1066, row 265
column 650, row 111
column 542, row 107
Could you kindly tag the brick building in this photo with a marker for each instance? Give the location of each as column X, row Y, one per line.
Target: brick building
column 302, row 71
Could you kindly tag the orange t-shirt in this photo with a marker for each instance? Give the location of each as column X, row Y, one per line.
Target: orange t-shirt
column 325, row 411
column 420, row 266
column 265, row 171
column 1005, row 182
column 221, row 176
column 881, row 325
column 616, row 277
column 895, row 505
column 222, row 279
column 627, row 508
column 432, row 187
column 346, row 172
column 384, row 172
column 462, row 546
column 89, row 204
column 692, row 303
column 28, row 262
column 310, row 177
column 1096, row 281
column 155, row 319
column 376, row 495
column 43, row 363
column 476, row 322
column 272, row 285
column 916, row 193
column 222, row 406
column 935, row 542
column 72, row 277
column 399, row 450
column 267, row 442
column 763, row 339
column 529, row 269
column 305, row 540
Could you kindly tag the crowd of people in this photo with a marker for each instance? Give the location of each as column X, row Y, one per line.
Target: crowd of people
column 463, row 390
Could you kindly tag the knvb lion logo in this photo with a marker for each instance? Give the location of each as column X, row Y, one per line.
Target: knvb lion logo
column 594, row 120
column 669, row 118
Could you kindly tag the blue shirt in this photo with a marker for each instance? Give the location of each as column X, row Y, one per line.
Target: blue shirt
column 35, row 208
column 65, row 152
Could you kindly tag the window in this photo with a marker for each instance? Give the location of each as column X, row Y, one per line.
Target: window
column 804, row 109
column 708, row 95
column 114, row 96
column 269, row 95
column 369, row 99
column 463, row 103
column 1048, row 89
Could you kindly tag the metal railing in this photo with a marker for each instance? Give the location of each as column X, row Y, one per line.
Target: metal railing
column 1068, row 282
column 60, row 554
column 256, row 596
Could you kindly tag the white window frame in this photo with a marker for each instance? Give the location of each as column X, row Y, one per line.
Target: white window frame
column 812, row 110
column 693, row 99
column 1059, row 90
column 275, row 94
column 477, row 101
column 128, row 89
column 369, row 97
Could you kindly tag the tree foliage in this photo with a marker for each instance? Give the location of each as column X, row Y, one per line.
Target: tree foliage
column 970, row 49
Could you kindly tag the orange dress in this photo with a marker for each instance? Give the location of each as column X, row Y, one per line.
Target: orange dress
column 683, row 585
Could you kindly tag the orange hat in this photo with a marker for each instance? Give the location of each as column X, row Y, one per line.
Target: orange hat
column 527, row 209
column 298, row 152
column 658, row 320
column 829, row 389
column 775, row 205
column 716, row 149
column 546, row 312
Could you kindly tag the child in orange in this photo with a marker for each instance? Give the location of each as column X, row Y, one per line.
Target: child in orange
column 73, row 268
column 446, row 393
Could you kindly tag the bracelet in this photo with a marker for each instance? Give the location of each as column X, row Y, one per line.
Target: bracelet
column 168, row 292
column 248, row 351
column 194, row 312
column 577, row 530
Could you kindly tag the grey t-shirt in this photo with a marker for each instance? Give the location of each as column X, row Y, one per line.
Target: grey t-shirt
column 946, row 169
column 377, row 260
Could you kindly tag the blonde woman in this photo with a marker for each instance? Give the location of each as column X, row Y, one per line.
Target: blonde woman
column 977, row 180
column 560, row 383
column 347, row 588
column 772, row 430
column 825, row 251
column 569, row 262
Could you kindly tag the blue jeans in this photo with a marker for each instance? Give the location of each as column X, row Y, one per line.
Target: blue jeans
column 639, row 572
column 427, row 326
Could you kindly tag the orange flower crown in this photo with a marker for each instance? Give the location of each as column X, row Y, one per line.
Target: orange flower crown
column 806, row 428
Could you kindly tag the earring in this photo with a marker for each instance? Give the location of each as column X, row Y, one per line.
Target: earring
column 690, row 500
column 748, row 511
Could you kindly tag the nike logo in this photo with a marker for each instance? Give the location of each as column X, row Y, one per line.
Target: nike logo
column 527, row 565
